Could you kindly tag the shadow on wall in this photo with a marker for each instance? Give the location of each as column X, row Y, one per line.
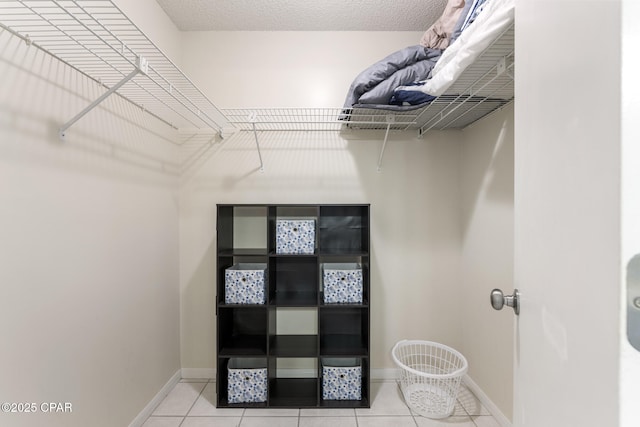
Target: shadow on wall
column 198, row 312
column 414, row 236
column 490, row 179
column 116, row 139
column 295, row 161
column 487, row 206
column 90, row 232
column 196, row 149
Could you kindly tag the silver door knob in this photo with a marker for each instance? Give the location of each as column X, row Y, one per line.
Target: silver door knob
column 499, row 300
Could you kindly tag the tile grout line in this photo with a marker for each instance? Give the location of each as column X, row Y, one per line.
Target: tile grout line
column 193, row 404
column 413, row 417
column 466, row 413
column 471, row 417
column 244, row 410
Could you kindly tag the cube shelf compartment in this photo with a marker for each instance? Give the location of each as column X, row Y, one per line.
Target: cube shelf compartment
column 242, row 331
column 294, row 281
column 247, row 234
column 344, row 331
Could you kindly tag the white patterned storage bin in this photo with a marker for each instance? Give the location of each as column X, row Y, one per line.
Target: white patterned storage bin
column 247, row 380
column 341, row 379
column 245, row 283
column 342, row 283
column 295, row 236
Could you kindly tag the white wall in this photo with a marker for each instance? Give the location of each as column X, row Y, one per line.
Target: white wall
column 279, row 69
column 88, row 247
column 486, row 169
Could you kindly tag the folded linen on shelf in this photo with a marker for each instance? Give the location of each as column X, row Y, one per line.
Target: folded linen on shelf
column 496, row 17
column 380, row 87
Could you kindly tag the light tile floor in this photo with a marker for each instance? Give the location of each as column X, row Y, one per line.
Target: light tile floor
column 191, row 403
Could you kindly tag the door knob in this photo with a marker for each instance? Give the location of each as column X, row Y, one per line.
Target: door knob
column 499, row 300
column 633, row 301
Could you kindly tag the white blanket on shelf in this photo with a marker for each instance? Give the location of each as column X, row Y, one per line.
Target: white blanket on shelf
column 495, row 18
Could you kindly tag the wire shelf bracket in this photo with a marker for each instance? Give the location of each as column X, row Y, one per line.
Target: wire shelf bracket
column 252, row 119
column 391, row 119
column 97, row 39
column 142, row 67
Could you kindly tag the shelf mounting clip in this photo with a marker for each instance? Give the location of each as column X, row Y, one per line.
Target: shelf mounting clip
column 141, row 67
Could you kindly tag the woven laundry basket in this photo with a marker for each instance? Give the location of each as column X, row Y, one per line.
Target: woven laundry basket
column 430, row 375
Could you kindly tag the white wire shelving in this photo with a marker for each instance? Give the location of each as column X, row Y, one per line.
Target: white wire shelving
column 97, row 39
column 313, row 119
column 485, row 86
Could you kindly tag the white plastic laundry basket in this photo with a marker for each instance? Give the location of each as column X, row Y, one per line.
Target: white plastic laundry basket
column 430, row 375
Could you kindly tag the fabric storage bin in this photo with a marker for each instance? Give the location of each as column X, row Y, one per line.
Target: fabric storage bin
column 341, row 379
column 295, row 236
column 342, row 283
column 245, row 283
column 247, row 380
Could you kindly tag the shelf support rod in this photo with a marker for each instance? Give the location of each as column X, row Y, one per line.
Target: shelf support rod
column 252, row 119
column 142, row 66
column 390, row 120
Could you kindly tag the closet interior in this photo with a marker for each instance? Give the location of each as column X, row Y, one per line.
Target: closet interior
column 97, row 39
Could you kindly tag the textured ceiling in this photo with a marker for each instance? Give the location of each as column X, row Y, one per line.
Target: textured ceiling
column 303, row 15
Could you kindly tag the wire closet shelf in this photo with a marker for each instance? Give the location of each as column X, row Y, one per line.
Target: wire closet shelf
column 97, row 39
column 485, row 86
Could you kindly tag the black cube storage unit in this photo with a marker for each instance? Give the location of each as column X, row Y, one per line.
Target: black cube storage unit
column 246, row 234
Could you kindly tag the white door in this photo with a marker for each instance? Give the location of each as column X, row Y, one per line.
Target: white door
column 630, row 360
column 567, row 213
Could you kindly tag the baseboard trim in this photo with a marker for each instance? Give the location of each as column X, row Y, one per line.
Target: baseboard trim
column 387, row 374
column 487, row 402
column 149, row 408
column 197, row 373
